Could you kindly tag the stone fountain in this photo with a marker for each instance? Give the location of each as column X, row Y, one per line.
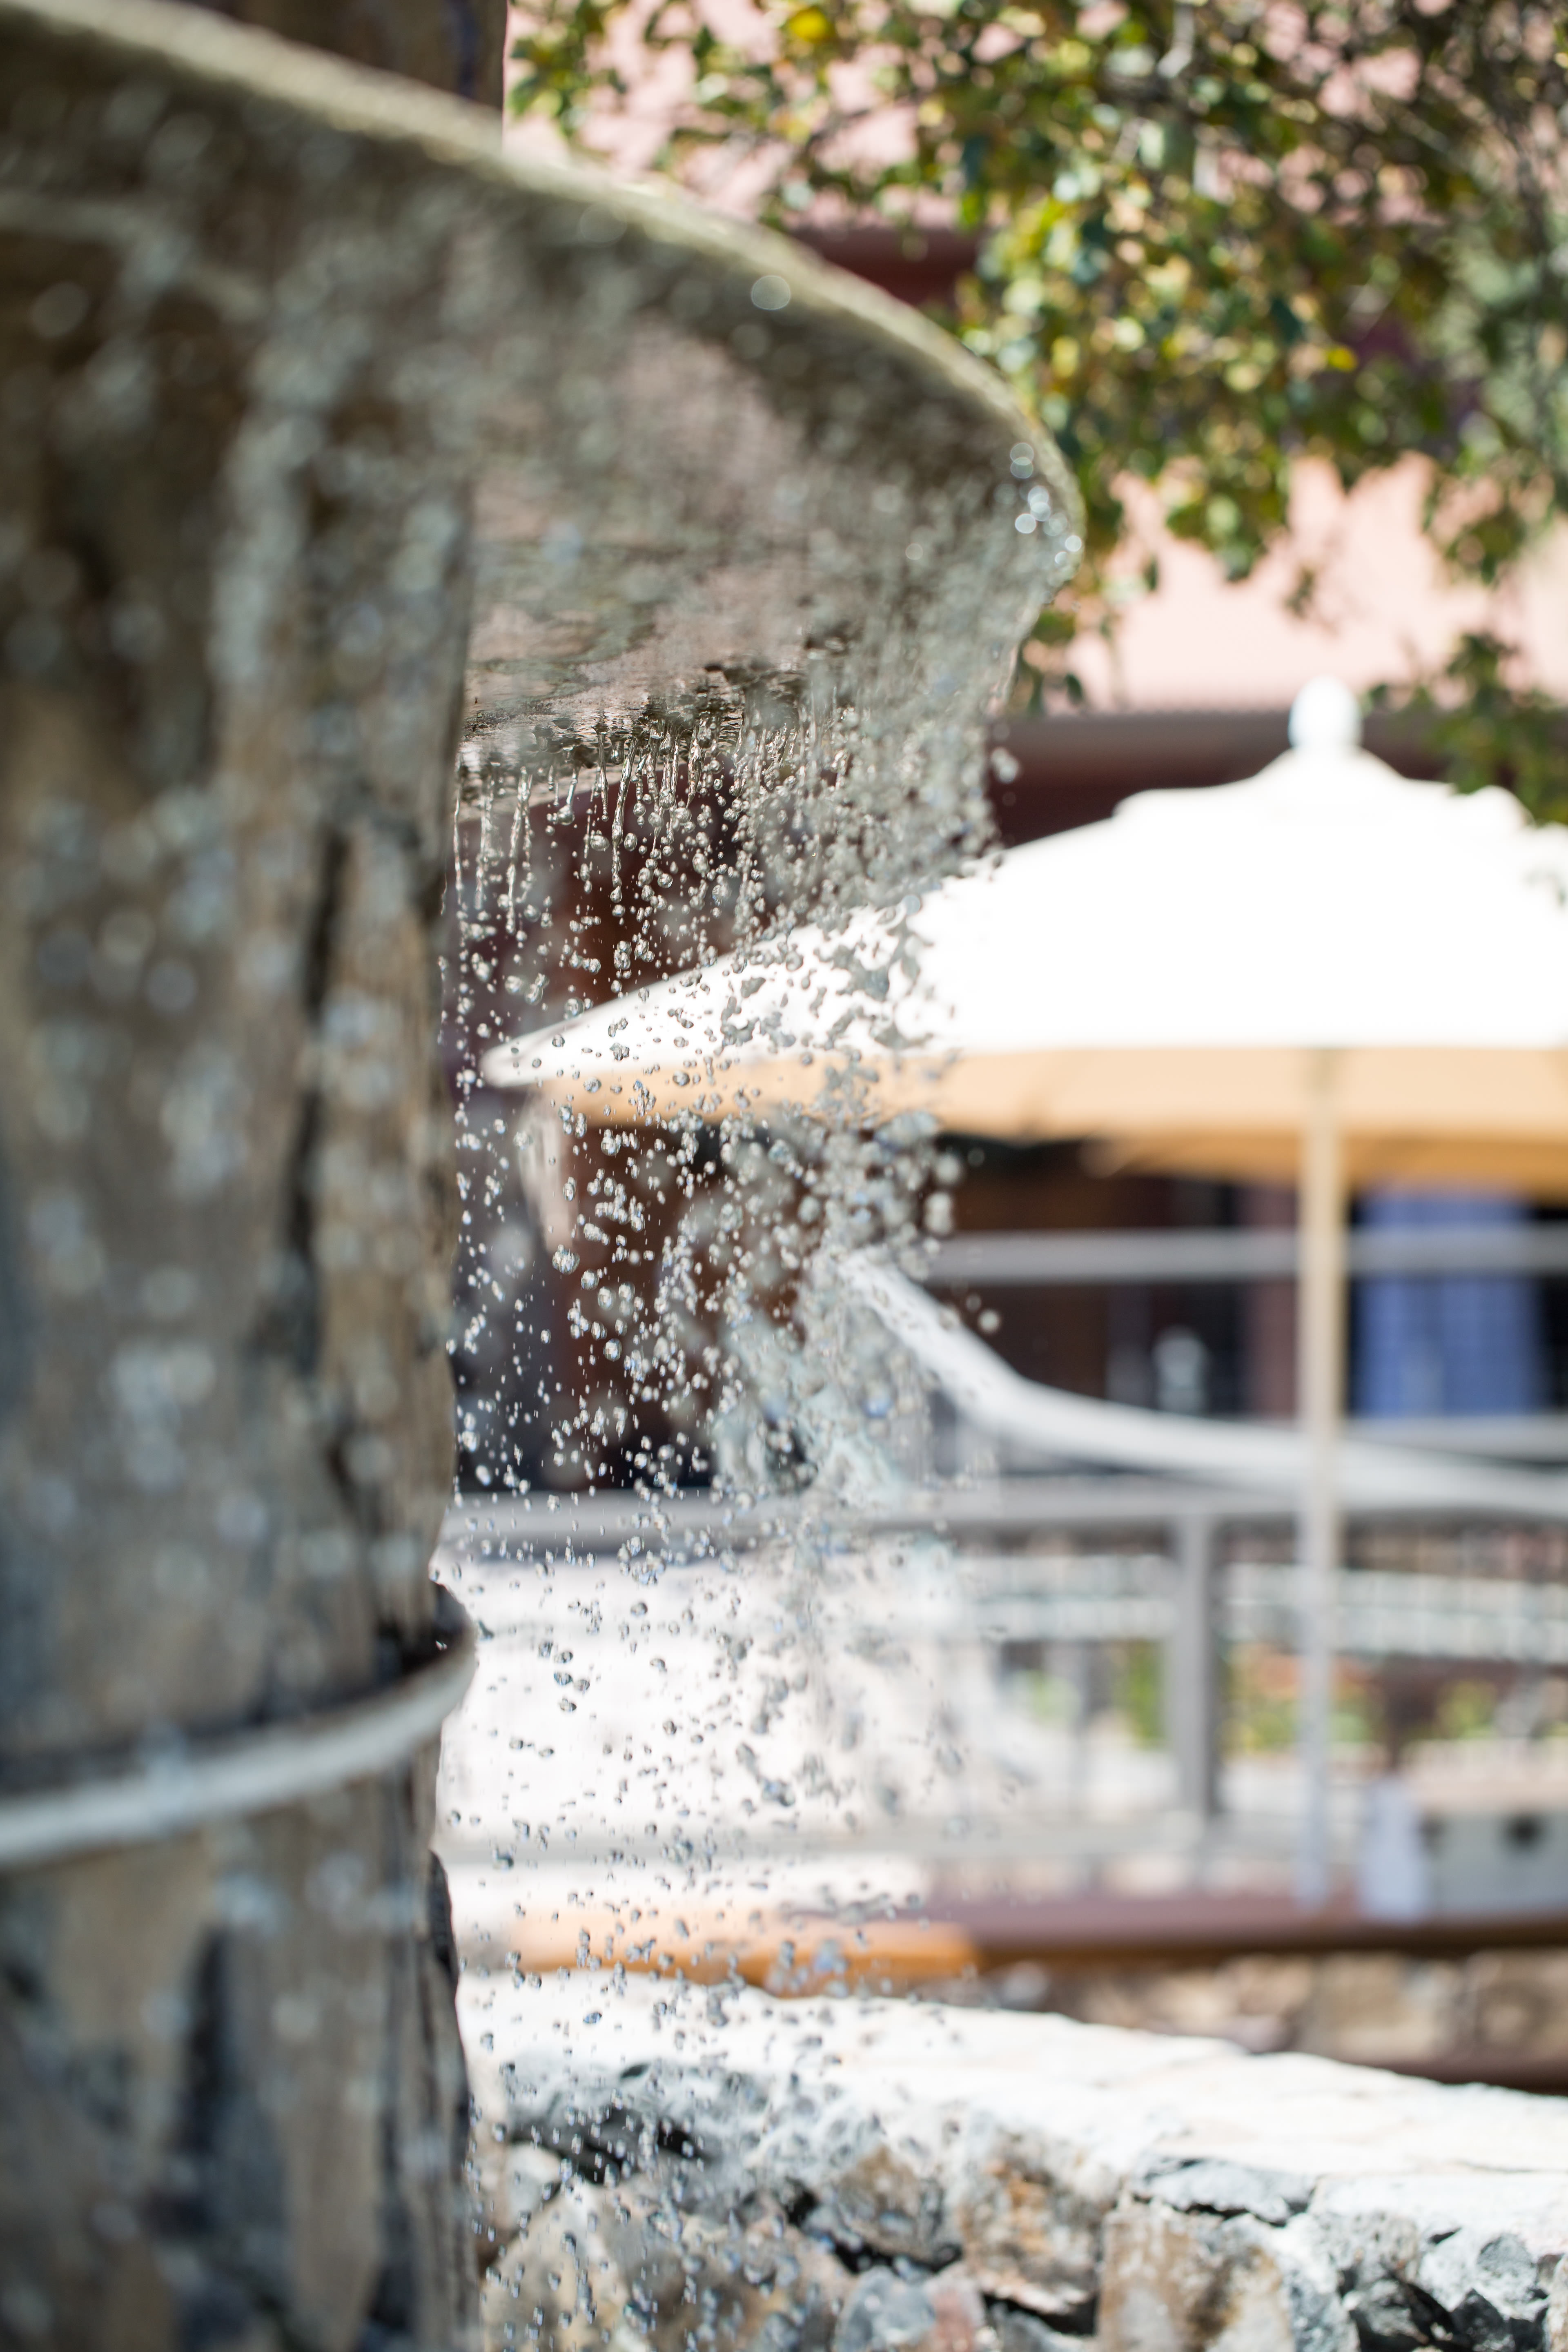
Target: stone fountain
column 308, row 391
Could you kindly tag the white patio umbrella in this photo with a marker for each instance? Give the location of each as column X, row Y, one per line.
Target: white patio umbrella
column 1327, row 972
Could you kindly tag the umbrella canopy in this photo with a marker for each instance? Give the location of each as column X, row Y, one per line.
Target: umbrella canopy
column 1167, row 978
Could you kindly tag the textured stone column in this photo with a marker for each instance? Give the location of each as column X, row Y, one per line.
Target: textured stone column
column 233, row 607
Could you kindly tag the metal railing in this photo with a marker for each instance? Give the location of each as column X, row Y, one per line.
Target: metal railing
column 1238, row 1254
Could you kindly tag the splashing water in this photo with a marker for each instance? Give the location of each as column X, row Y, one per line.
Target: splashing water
column 718, row 1687
column 753, row 698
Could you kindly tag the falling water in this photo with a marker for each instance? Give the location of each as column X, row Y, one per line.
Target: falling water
column 714, row 1699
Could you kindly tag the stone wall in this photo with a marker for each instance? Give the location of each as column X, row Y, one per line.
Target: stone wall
column 721, row 2170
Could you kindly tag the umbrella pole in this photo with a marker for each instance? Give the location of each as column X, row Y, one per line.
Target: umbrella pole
column 1319, row 1344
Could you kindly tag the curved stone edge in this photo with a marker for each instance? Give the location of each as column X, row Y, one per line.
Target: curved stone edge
column 357, row 99
column 214, row 1779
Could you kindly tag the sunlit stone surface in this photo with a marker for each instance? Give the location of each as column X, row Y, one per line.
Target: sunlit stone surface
column 658, row 2162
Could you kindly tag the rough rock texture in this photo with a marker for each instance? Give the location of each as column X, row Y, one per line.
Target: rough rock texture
column 965, row 2179
column 232, row 612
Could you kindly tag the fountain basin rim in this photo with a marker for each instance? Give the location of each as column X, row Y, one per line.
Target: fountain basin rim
column 233, row 1776
column 360, row 100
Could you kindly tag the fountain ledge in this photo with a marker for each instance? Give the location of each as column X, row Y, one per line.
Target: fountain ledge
column 866, row 2174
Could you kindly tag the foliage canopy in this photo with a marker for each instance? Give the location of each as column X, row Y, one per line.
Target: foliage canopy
column 1217, row 238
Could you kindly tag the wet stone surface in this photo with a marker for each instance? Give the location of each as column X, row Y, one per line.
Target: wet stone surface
column 680, row 2169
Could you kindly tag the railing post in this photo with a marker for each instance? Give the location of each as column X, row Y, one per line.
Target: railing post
column 1193, row 1686
column 1319, row 1401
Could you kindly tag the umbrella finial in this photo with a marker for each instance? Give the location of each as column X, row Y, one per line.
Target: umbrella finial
column 1325, row 717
